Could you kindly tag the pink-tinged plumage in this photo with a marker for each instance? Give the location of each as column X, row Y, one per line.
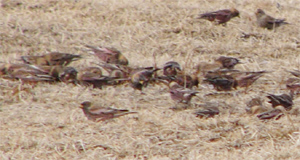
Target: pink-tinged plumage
column 108, row 55
column 220, row 16
column 97, row 112
column 25, row 72
column 181, row 94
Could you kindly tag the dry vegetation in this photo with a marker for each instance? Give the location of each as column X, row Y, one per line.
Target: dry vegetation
column 44, row 121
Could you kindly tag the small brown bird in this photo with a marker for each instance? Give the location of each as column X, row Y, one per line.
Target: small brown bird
column 220, row 16
column 98, row 113
column 182, row 80
column 209, row 111
column 109, row 55
column 25, row 72
column 60, row 73
column 180, row 94
column 187, row 81
column 116, row 67
column 274, row 113
column 284, row 100
column 92, row 76
column 245, row 79
column 228, row 62
column 68, row 75
column 171, row 68
column 141, row 78
column 293, row 84
column 266, row 21
column 221, row 82
column 51, row 59
column 255, row 105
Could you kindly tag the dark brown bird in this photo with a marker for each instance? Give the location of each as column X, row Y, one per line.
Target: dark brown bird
column 92, row 76
column 228, row 62
column 220, row 16
column 98, row 113
column 284, row 100
column 141, row 78
column 109, row 55
column 274, row 113
column 51, row 59
column 221, row 82
column 266, row 21
column 171, row 68
column 25, row 72
column 180, row 94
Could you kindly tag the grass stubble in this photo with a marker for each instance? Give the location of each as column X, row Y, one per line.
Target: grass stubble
column 44, row 121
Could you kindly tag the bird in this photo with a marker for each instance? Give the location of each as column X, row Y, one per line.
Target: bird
column 51, row 59
column 60, row 73
column 68, row 75
column 284, row 100
column 255, row 105
column 116, row 67
column 108, row 55
column 274, row 113
column 220, row 16
column 96, row 112
column 228, row 62
column 171, row 68
column 207, row 111
column 267, row 21
column 141, row 78
column 181, row 94
column 24, row 72
column 293, row 84
column 183, row 80
column 92, row 76
column 187, row 81
column 245, row 79
column 221, row 82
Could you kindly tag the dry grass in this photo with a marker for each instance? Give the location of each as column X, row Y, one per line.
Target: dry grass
column 45, row 121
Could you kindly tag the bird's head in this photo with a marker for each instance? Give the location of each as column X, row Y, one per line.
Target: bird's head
column 123, row 60
column 259, row 13
column 85, row 104
column 235, row 12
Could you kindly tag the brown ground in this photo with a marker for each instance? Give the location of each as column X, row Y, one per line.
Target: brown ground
column 45, row 121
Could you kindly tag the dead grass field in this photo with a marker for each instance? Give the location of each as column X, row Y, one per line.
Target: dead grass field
column 45, row 121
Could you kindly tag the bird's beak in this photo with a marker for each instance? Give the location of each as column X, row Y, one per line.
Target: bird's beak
column 141, row 82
